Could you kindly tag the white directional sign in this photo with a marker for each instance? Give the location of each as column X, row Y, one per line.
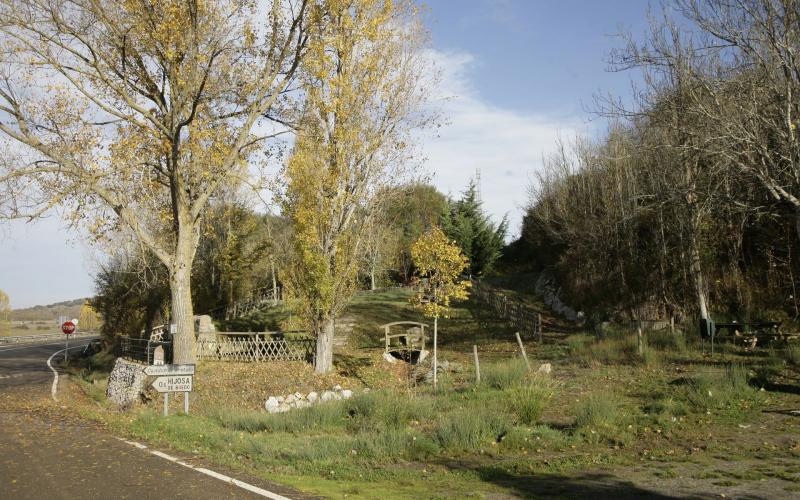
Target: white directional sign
column 173, row 383
column 158, row 370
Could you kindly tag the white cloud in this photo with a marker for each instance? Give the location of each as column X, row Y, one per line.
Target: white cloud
column 507, row 145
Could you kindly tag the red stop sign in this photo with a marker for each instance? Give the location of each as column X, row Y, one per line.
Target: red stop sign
column 68, row 327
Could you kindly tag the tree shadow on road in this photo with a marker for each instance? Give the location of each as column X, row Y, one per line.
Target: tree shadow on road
column 588, row 485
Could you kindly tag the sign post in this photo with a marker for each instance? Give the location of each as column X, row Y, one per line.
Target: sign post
column 172, row 378
column 68, row 328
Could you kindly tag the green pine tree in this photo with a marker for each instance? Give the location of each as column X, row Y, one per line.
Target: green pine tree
column 465, row 222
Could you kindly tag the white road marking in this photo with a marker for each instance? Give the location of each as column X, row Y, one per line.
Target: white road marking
column 216, row 475
column 54, row 388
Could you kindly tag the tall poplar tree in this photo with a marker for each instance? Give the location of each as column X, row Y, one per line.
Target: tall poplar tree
column 363, row 83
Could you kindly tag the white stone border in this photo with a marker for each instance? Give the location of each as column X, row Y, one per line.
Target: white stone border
column 282, row 404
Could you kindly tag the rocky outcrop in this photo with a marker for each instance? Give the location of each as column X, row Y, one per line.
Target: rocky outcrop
column 126, row 382
column 546, row 287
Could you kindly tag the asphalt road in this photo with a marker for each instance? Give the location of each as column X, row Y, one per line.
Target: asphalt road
column 43, row 455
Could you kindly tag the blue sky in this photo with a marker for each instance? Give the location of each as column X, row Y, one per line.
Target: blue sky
column 515, row 76
column 538, row 56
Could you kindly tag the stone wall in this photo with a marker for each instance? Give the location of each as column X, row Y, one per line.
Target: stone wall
column 546, row 286
column 126, row 382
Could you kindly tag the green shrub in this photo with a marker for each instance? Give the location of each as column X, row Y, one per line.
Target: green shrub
column 528, row 401
column 728, row 392
column 470, row 429
column 387, row 409
column 792, row 354
column 599, row 417
column 539, row 436
column 324, row 416
column 597, row 411
column 382, row 445
column 667, row 407
column 769, row 370
column 664, row 340
column 504, row 375
column 577, row 343
column 421, row 447
column 617, row 347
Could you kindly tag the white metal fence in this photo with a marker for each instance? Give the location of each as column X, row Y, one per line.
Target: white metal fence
column 24, row 339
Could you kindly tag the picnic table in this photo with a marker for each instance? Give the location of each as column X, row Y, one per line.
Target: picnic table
column 748, row 328
column 748, row 331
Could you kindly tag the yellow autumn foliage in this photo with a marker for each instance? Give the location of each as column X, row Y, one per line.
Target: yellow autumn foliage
column 362, row 90
column 88, row 319
column 439, row 264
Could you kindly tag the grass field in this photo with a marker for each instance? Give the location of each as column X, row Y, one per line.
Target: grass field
column 22, row 328
column 606, row 422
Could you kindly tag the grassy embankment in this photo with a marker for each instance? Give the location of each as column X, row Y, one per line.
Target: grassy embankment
column 22, row 328
column 516, row 432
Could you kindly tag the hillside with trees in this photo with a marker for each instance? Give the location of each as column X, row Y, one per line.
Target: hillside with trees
column 688, row 206
column 69, row 308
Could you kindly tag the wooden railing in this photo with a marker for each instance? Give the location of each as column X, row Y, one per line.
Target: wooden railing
column 524, row 319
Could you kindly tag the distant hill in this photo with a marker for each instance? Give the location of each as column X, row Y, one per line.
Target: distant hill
column 71, row 308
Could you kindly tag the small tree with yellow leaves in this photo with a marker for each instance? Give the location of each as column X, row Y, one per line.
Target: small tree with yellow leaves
column 5, row 310
column 88, row 318
column 439, row 264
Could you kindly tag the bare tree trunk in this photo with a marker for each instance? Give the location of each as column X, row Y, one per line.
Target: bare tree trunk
column 372, row 278
column 182, row 313
column 435, row 349
column 797, row 220
column 697, row 275
column 274, row 281
column 639, row 339
column 323, row 361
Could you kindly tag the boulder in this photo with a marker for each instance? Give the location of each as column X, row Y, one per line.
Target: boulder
column 545, row 369
column 346, row 394
column 298, row 395
column 126, row 383
column 337, row 387
column 291, row 398
column 205, row 330
column 388, row 357
column 272, row 405
column 327, row 396
column 312, row 396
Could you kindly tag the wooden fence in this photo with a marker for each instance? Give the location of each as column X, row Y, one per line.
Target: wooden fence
column 257, row 349
column 524, row 319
